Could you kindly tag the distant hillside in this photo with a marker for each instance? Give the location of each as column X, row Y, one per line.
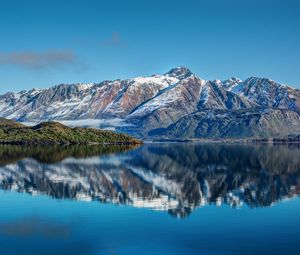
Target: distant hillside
column 245, row 123
column 5, row 123
column 12, row 132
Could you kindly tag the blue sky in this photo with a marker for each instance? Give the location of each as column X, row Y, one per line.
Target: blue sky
column 47, row 42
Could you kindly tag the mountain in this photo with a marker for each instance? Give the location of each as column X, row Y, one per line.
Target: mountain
column 148, row 106
column 189, row 95
column 265, row 92
column 57, row 133
column 108, row 99
column 253, row 122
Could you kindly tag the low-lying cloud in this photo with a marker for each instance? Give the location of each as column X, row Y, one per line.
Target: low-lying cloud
column 38, row 60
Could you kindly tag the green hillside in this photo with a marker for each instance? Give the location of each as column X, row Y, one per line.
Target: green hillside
column 12, row 132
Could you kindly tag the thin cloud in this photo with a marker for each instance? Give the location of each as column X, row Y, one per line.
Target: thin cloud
column 115, row 40
column 38, row 60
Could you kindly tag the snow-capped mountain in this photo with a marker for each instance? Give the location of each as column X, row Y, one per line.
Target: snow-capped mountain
column 143, row 105
column 265, row 92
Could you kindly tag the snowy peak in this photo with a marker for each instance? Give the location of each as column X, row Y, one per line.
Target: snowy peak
column 215, row 96
column 266, row 92
column 231, row 83
column 84, row 86
column 253, row 84
column 179, row 73
column 162, row 80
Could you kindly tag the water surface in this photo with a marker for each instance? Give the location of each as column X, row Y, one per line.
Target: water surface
column 154, row 199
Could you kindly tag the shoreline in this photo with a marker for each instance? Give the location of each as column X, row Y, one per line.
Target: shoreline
column 67, row 143
column 226, row 141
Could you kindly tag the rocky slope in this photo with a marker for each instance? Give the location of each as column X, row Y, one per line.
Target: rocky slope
column 142, row 105
column 245, row 123
column 266, row 92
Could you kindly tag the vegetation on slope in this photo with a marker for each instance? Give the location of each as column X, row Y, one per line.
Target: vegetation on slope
column 12, row 132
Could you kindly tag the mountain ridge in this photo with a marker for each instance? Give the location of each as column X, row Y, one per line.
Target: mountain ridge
column 143, row 104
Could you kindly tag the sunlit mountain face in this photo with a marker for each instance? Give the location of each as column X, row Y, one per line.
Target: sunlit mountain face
column 174, row 105
column 176, row 178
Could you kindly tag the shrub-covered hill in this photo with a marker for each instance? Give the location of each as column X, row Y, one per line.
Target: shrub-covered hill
column 12, row 132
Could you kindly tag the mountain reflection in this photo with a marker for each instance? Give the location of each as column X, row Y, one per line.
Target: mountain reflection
column 53, row 154
column 173, row 177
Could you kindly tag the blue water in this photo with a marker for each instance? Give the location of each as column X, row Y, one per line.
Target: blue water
column 33, row 220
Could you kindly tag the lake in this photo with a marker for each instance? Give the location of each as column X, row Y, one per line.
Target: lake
column 159, row 198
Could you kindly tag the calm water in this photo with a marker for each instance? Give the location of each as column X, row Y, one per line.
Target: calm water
column 154, row 199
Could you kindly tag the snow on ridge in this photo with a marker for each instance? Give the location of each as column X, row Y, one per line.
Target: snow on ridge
column 232, row 83
column 85, row 86
column 157, row 79
column 218, row 82
column 160, row 100
column 204, row 94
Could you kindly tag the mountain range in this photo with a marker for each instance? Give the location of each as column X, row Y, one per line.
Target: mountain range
column 177, row 104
